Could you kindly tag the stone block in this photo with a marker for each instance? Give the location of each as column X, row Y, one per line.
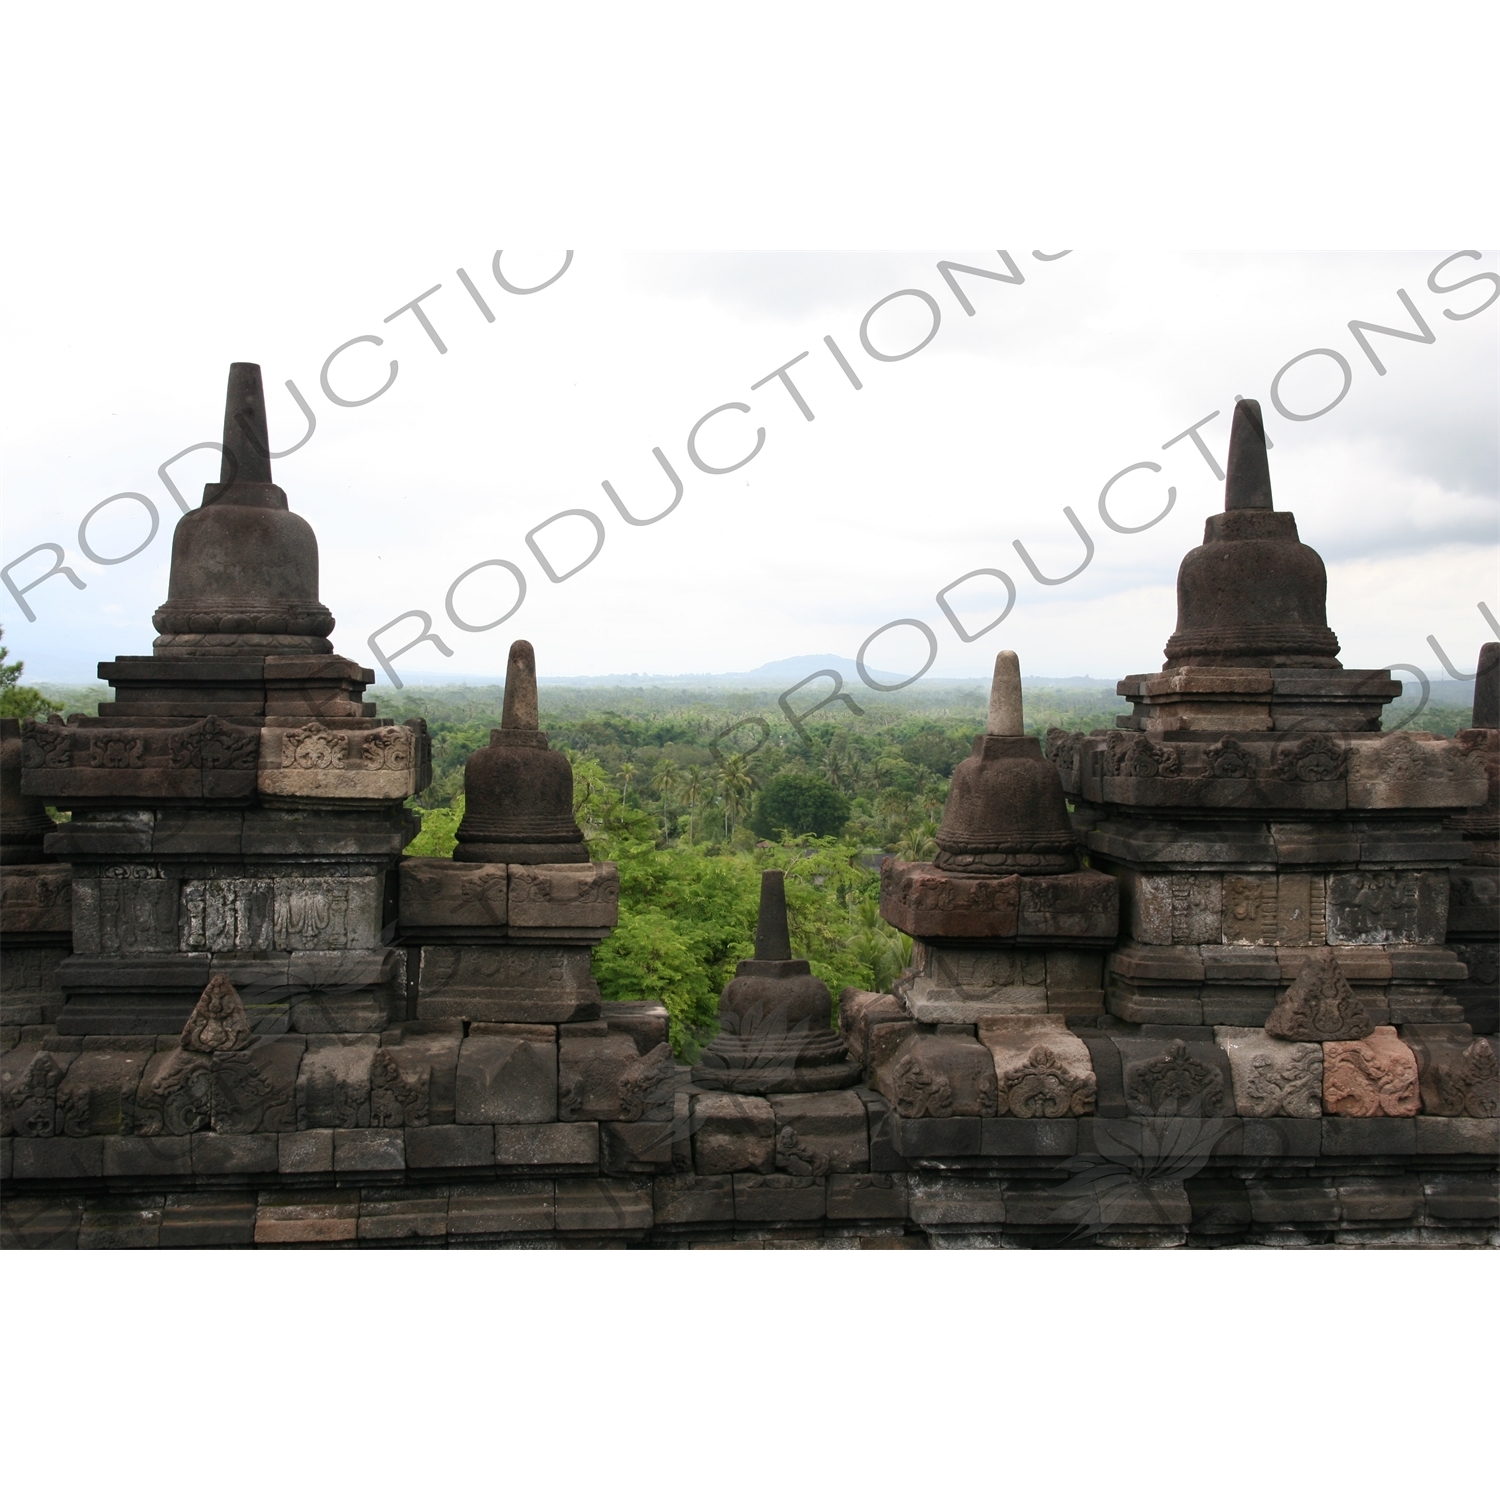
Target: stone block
column 234, row 1155
column 777, row 1198
column 256, row 1090
column 884, row 1157
column 1249, row 909
column 1440, row 1136
column 645, row 1021
column 1130, row 1203
column 36, row 899
column 957, row 1135
column 602, row 1205
column 506, row 1080
column 1457, row 1076
column 1364, row 1200
column 1380, row 1136
column 131, row 1223
column 324, row 1216
column 369, row 1150
column 589, row 1074
column 174, row 1094
column 693, row 1200
column 1293, row 1201
column 859, row 1010
column 396, row 1215
column 148, row 1156
column 940, row 1201
column 202, row 1221
column 959, row 985
column 1174, row 1078
column 97, row 1094
column 441, row 896
column 549, row 983
column 939, row 1076
column 1060, row 1209
column 491, row 1208
column 636, row 1146
column 732, row 1133
column 132, row 913
column 923, row 901
column 563, row 1144
column 40, row 1223
column 436, row 1044
column 1404, row 770
column 226, row 916
column 867, row 1196
column 1219, row 1205
column 450, row 1146
column 1272, row 1077
column 305, row 1151
column 1160, row 910
column 324, row 765
column 1387, row 906
column 1470, row 1198
column 1375, row 1076
column 1009, row 1136
column 29, row 1077
column 1084, row 904
column 820, row 1133
column 333, row 1083
column 564, row 900
column 1042, row 1070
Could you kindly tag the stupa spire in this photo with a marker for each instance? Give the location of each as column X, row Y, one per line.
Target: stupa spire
column 247, row 445
column 772, row 939
column 1006, row 713
column 520, row 710
column 1247, row 485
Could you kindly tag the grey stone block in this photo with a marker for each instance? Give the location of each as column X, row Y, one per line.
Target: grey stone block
column 1132, row 1203
column 39, row 1223
column 776, row 1198
column 121, row 1223
column 645, row 1021
column 403, row 1215
column 501, row 1208
column 369, row 1151
column 1219, row 1205
column 1276, row 1137
column 333, row 1084
column 1293, row 1201
column 60, row 1157
column 589, row 1073
column 694, row 1200
column 1441, row 1136
column 820, row 1133
column 7, row 1159
column 506, row 1080
column 1057, row 1209
column 323, row 1216
column 959, row 1135
column 565, row 1143
column 1472, row 1197
column 867, row 1195
column 255, row 1091
column 642, row 1146
column 1006, row 1136
column 305, row 1151
column 952, row 1200
column 602, row 1205
column 1380, row 1199
column 732, row 1133
column 193, row 1221
column 1344, row 1136
column 451, row 1146
column 223, row 1155
column 148, row 1156
column 884, row 1157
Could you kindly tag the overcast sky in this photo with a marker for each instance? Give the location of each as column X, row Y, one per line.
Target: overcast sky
column 934, row 468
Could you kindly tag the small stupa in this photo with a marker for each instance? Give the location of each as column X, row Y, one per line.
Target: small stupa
column 775, row 1016
column 518, row 793
column 1005, row 813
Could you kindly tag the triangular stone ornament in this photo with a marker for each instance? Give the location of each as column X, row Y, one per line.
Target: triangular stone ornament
column 218, row 1022
column 1320, row 1006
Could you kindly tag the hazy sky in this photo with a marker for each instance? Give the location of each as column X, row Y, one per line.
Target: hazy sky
column 934, row 468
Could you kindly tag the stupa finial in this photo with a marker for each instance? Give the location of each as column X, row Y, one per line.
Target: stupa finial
column 520, row 710
column 1006, row 712
column 772, row 940
column 247, row 446
column 1486, row 713
column 1247, row 486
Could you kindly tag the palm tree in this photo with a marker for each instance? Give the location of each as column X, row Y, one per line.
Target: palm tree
column 627, row 775
column 665, row 779
column 919, row 843
column 737, row 787
column 692, row 794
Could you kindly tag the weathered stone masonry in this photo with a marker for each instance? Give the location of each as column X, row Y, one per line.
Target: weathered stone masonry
column 1239, row 995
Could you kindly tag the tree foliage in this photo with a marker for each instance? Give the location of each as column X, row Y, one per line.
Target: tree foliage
column 794, row 804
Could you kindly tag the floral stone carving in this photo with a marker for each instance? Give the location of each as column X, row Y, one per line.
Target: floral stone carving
column 1374, row 1076
column 218, row 1022
column 1319, row 1006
